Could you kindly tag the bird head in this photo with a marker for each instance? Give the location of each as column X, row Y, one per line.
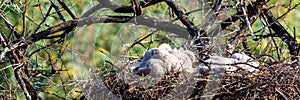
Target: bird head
column 149, row 54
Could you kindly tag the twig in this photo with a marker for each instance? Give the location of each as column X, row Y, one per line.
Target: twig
column 10, row 26
column 21, row 82
column 40, row 8
column 183, row 18
column 281, row 32
column 137, row 8
column 129, row 9
column 43, row 21
column 289, row 10
column 278, row 90
column 253, row 10
column 248, row 24
column 58, row 11
column 24, row 21
column 67, row 9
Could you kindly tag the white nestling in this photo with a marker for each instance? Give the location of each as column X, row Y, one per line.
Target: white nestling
column 159, row 61
column 235, row 62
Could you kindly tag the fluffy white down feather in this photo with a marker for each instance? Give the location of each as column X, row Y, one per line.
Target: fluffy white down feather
column 159, row 61
column 236, row 61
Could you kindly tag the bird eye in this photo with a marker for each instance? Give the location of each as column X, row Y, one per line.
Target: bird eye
column 155, row 51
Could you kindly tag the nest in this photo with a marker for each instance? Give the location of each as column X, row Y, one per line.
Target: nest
column 278, row 81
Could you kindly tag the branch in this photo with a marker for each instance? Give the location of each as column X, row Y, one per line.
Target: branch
column 67, row 9
column 253, row 9
column 142, row 20
column 281, row 32
column 129, row 9
column 183, row 18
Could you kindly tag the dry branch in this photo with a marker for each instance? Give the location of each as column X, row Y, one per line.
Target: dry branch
column 234, row 86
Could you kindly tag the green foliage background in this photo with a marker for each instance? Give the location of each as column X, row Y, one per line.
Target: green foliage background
column 104, row 39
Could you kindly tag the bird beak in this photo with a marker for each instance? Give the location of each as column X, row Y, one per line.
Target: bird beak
column 135, row 66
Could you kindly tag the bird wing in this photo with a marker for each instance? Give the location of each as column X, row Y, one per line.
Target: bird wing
column 144, row 70
column 157, row 67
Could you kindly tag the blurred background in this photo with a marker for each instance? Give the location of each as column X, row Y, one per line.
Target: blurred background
column 62, row 70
